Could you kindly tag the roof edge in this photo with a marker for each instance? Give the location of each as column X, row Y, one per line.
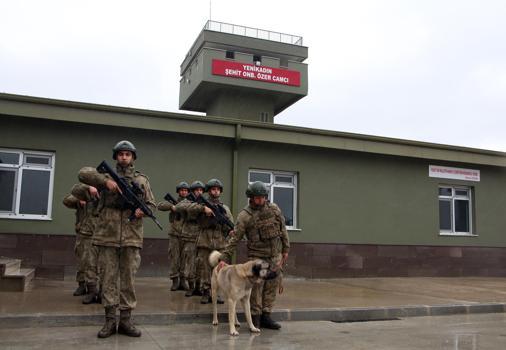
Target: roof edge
column 163, row 115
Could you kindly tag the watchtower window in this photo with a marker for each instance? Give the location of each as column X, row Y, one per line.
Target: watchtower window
column 257, row 60
column 230, row 54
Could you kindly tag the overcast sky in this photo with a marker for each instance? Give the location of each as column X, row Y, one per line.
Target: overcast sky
column 423, row 70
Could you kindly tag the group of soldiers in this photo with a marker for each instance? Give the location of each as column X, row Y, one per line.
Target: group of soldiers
column 109, row 237
column 193, row 234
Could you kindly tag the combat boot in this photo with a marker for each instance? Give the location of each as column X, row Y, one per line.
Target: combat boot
column 196, row 289
column 92, row 296
column 126, row 326
column 181, row 283
column 81, row 289
column 99, row 297
column 184, row 284
column 256, row 320
column 109, row 327
column 175, row 284
column 267, row 322
column 206, row 297
column 188, row 288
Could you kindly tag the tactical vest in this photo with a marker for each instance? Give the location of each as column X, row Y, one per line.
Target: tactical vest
column 266, row 223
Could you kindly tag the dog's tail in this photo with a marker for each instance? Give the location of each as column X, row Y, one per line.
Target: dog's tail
column 214, row 258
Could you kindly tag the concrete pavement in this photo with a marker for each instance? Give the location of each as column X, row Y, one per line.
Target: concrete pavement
column 50, row 303
column 457, row 332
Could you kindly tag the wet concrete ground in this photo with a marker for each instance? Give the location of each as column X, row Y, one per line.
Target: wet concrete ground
column 51, row 297
column 463, row 332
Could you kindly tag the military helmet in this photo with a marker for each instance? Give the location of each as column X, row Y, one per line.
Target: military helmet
column 214, row 183
column 181, row 185
column 257, row 188
column 197, row 184
column 124, row 146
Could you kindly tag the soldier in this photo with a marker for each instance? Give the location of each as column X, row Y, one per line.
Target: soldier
column 119, row 239
column 263, row 225
column 191, row 229
column 211, row 237
column 175, row 242
column 85, row 252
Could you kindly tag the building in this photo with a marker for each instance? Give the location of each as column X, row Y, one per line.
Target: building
column 355, row 205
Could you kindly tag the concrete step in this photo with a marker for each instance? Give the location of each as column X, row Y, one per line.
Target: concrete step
column 9, row 265
column 18, row 281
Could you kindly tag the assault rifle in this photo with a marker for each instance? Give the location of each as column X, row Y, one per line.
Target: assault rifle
column 218, row 210
column 129, row 194
column 168, row 197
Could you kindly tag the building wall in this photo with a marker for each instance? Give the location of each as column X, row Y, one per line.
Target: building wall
column 360, row 198
column 166, row 158
column 359, row 214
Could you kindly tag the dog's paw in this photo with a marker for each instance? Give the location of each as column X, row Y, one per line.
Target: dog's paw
column 237, row 325
column 254, row 330
column 234, row 333
column 215, row 323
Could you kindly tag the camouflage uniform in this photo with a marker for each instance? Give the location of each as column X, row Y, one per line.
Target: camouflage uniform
column 211, row 237
column 175, row 242
column 118, row 239
column 267, row 239
column 190, row 212
column 84, row 250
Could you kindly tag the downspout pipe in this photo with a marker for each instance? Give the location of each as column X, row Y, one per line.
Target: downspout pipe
column 235, row 170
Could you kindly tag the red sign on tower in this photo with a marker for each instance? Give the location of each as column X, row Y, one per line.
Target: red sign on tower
column 252, row 72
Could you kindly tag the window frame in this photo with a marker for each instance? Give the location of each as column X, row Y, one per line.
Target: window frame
column 272, row 184
column 18, row 169
column 452, row 200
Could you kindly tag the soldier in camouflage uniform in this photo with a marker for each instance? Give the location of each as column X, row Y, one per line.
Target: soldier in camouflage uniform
column 189, row 235
column 119, row 240
column 175, row 242
column 263, row 225
column 85, row 252
column 211, row 237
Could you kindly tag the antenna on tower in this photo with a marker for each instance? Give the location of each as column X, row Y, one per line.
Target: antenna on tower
column 210, row 9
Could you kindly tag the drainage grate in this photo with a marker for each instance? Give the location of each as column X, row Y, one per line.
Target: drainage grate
column 369, row 320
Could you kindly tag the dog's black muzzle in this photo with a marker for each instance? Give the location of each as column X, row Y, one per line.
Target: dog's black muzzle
column 271, row 274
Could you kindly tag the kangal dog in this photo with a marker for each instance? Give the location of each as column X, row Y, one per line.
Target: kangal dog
column 235, row 283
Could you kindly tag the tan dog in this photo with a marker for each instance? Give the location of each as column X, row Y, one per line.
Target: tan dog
column 235, row 283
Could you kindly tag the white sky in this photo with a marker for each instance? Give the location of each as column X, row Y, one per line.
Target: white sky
column 423, row 70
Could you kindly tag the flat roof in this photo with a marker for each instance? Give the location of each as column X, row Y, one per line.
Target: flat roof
column 90, row 113
column 253, row 32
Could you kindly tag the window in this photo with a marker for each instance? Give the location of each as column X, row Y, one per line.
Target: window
column 230, row 54
column 455, row 210
column 257, row 60
column 282, row 188
column 26, row 184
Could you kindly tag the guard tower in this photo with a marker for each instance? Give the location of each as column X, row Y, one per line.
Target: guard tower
column 241, row 72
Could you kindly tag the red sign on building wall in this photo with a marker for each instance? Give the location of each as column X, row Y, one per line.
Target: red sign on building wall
column 252, row 72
